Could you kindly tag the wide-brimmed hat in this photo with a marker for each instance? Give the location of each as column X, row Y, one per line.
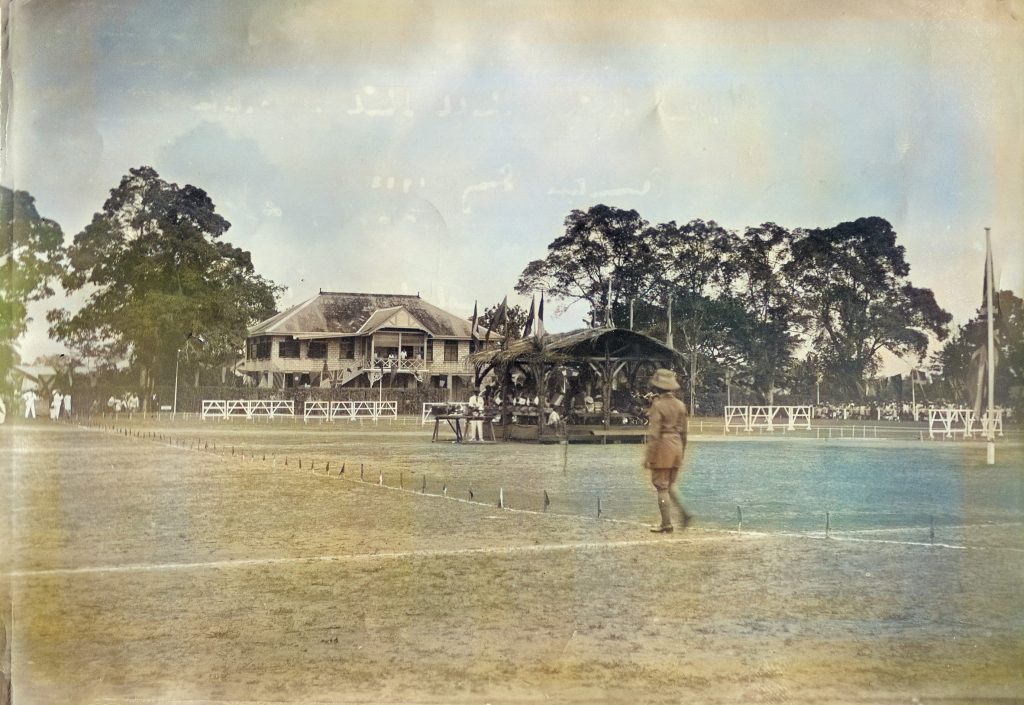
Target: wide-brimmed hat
column 665, row 379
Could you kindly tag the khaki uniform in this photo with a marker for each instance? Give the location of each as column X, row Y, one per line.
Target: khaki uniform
column 666, row 441
column 666, row 432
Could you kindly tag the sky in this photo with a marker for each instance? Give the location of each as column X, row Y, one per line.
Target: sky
column 437, row 147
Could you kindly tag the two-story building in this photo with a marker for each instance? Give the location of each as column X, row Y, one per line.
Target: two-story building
column 357, row 340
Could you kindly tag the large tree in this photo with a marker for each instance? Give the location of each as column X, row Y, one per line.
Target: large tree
column 854, row 286
column 32, row 253
column 603, row 248
column 158, row 272
column 959, row 358
column 693, row 276
column 768, row 331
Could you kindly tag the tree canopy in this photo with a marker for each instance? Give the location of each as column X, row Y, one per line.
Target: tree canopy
column 601, row 246
column 32, row 251
column 958, row 358
column 853, row 284
column 157, row 270
column 743, row 303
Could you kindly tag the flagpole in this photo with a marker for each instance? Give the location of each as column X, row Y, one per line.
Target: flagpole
column 990, row 296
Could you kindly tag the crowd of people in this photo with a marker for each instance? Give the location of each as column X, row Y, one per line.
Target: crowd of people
column 127, row 402
column 558, row 408
column 884, row 411
column 59, row 407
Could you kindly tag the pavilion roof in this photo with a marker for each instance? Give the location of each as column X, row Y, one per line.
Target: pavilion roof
column 586, row 343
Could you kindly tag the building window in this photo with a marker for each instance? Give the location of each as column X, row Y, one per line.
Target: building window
column 451, row 351
column 288, row 348
column 347, row 348
column 430, row 350
column 259, row 348
column 317, row 350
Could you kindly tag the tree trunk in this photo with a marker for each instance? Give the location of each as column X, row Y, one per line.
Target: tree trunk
column 693, row 380
column 145, row 387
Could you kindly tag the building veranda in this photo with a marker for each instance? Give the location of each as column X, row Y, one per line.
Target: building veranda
column 339, row 339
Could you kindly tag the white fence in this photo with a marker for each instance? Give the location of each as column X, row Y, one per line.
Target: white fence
column 275, row 408
column 952, row 421
column 349, row 410
column 428, row 408
column 249, row 408
column 767, row 418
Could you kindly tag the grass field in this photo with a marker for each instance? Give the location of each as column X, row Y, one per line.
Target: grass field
column 199, row 563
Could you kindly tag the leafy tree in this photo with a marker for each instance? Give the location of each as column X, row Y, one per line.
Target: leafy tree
column 853, row 283
column 601, row 246
column 693, row 277
column 32, row 255
column 768, row 333
column 957, row 358
column 158, row 270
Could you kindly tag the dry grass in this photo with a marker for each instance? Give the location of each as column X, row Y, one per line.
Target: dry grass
column 140, row 570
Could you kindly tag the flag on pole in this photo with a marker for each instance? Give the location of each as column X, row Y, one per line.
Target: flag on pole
column 472, row 325
column 529, row 319
column 500, row 314
column 608, row 322
column 984, row 359
column 540, row 317
column 989, row 284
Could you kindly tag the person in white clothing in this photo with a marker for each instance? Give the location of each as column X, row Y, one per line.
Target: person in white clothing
column 55, row 403
column 475, row 407
column 3, row 411
column 28, row 397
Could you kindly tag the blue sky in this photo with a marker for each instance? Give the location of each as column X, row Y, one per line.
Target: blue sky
column 438, row 146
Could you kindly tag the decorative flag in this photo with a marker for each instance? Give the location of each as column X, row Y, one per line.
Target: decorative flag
column 896, row 382
column 499, row 314
column 982, row 357
column 540, row 317
column 529, row 319
column 504, row 323
column 608, row 322
column 472, row 325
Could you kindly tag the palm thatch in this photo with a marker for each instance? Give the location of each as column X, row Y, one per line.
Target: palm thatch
column 586, row 343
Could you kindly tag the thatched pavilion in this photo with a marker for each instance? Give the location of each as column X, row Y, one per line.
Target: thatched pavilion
column 593, row 379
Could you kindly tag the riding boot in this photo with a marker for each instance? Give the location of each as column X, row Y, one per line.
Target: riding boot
column 663, row 507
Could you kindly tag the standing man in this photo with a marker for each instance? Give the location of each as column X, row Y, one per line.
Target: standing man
column 475, row 408
column 29, row 399
column 666, row 440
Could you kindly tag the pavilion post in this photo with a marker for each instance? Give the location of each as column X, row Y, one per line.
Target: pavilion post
column 607, row 391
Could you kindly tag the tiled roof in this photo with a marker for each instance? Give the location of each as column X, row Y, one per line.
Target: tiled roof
column 341, row 313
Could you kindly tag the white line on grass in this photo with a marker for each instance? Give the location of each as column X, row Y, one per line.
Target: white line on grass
column 453, row 552
column 349, row 558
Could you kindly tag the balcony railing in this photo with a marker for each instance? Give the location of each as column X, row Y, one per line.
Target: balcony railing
column 406, row 364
